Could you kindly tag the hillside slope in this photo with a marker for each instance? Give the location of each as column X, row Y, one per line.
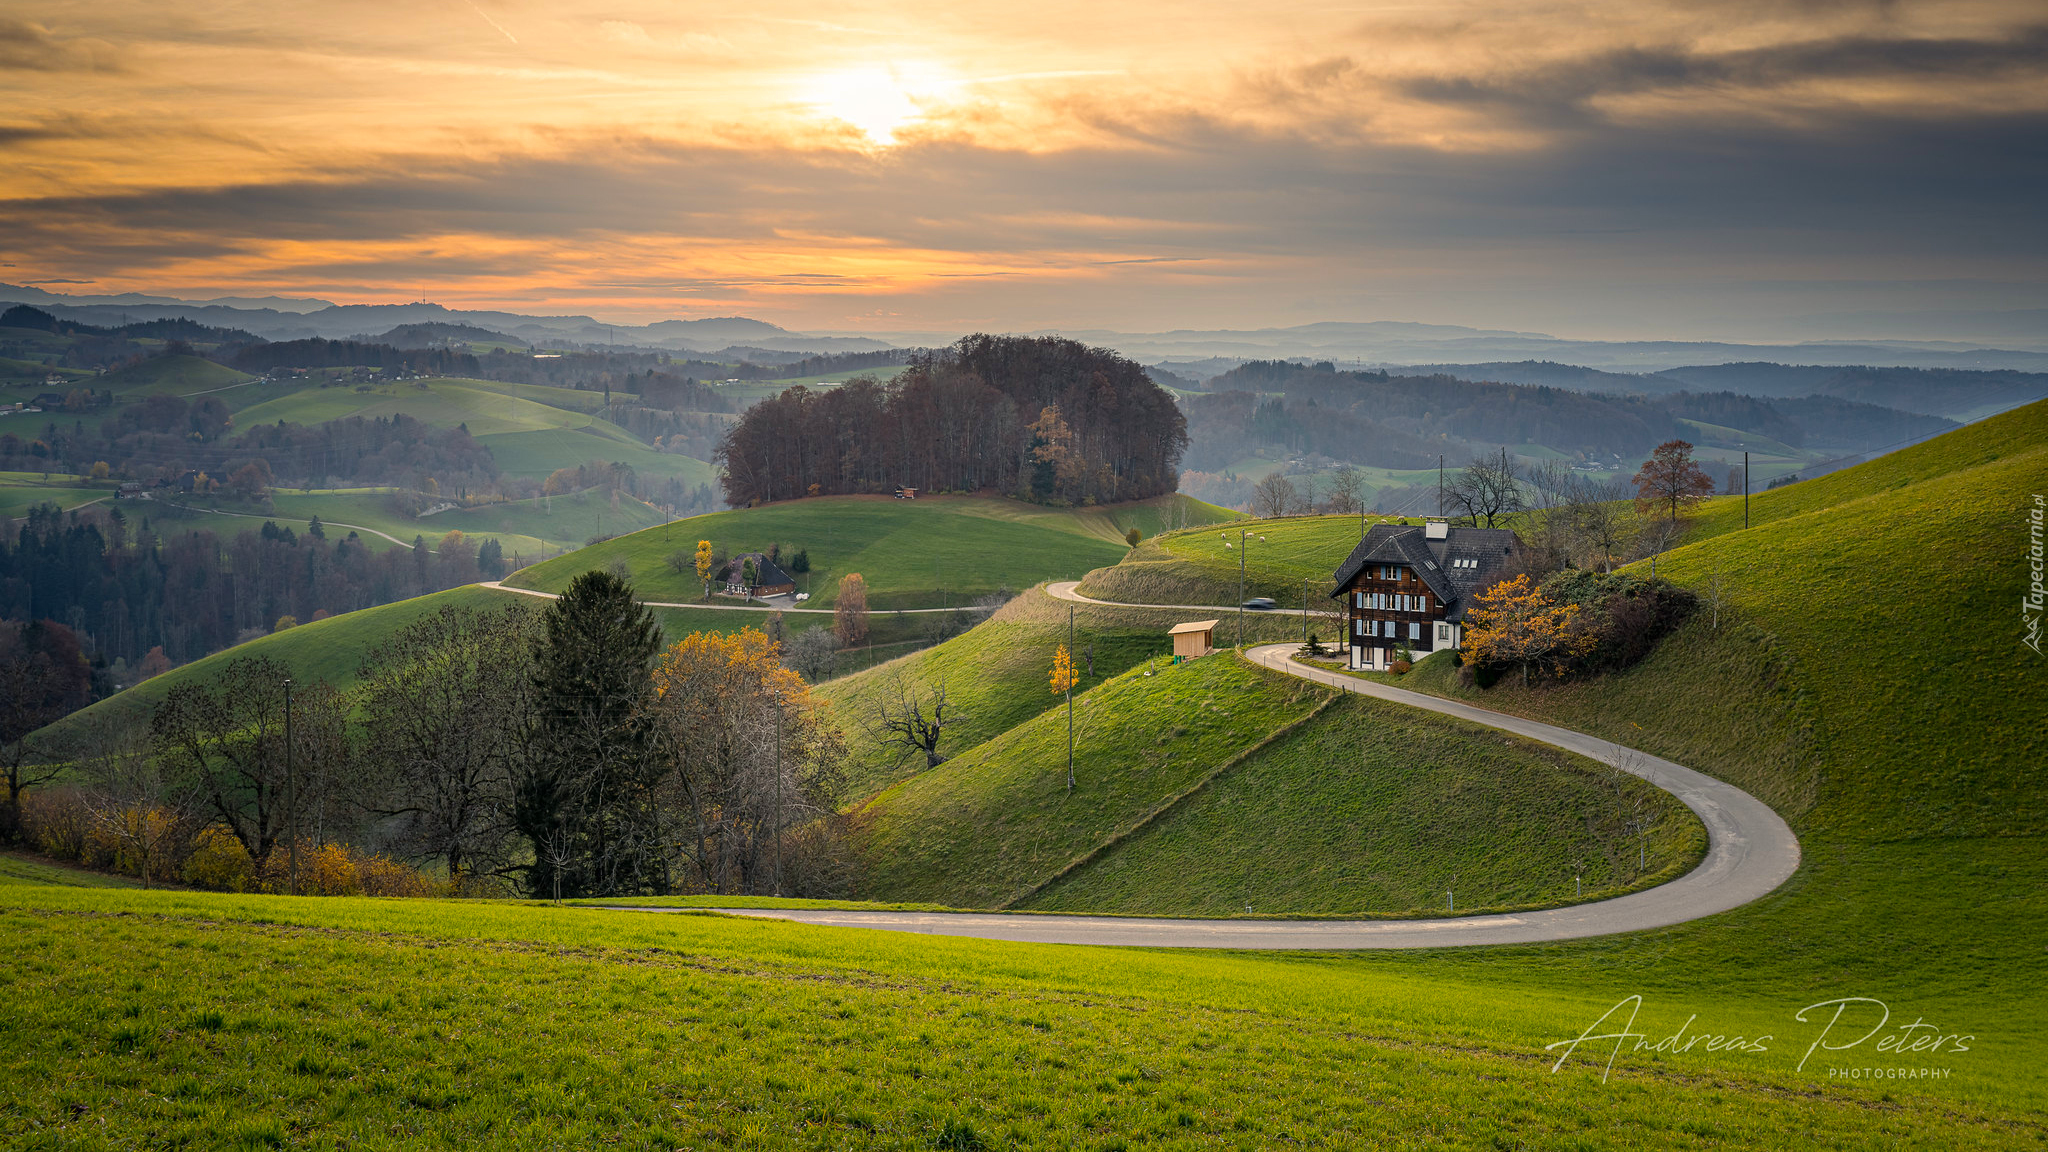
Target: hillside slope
column 996, row 676
column 1371, row 809
column 935, row 551
column 1205, row 786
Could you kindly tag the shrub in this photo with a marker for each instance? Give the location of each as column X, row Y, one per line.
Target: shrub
column 1132, row 536
column 55, row 820
column 1621, row 614
column 1575, row 623
column 1399, row 667
column 218, row 861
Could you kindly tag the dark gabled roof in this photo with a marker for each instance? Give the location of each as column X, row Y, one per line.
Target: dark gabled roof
column 1432, row 559
column 767, row 573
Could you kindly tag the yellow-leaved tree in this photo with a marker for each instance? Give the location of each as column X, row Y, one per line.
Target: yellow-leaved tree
column 753, row 767
column 1063, row 676
column 1063, row 680
column 850, row 611
column 1515, row 623
column 704, row 564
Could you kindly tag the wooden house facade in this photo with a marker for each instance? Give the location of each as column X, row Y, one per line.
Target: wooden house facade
column 1407, row 588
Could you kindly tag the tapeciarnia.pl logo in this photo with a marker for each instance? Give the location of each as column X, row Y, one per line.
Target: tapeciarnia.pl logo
column 2032, row 604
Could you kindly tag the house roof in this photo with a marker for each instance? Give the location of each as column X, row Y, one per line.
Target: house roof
column 1193, row 626
column 767, row 573
column 1432, row 560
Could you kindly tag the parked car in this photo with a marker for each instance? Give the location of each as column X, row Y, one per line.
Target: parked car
column 1259, row 604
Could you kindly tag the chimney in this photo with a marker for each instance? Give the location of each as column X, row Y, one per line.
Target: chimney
column 1436, row 530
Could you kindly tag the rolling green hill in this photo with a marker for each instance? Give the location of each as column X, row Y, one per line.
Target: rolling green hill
column 931, row 552
column 986, row 828
column 1866, row 677
column 177, row 375
column 1325, row 823
column 333, row 649
column 996, row 675
column 1205, row 786
column 526, row 437
column 1196, row 567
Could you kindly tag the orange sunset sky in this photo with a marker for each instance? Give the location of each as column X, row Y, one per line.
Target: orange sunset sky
column 1599, row 169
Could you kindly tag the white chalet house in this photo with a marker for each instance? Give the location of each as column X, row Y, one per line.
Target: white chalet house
column 1409, row 587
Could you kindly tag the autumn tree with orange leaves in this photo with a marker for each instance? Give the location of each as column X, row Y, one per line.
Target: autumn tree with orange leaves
column 753, row 766
column 850, row 611
column 1670, row 481
column 1516, row 623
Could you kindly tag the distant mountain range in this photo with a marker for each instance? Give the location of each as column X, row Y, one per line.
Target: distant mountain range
column 286, row 320
column 1192, row 353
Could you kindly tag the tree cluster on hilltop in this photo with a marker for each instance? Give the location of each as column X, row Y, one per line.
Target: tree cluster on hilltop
column 1041, row 417
column 319, row 353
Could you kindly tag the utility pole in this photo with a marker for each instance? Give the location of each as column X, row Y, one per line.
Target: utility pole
column 778, row 795
column 291, row 777
column 1304, row 611
column 1439, row 485
column 1070, row 700
column 1745, row 489
column 1243, row 539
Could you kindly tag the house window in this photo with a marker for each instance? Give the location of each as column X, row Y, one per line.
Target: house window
column 1443, row 633
column 1414, row 631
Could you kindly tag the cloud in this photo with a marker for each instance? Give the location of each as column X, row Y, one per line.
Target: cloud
column 31, row 47
column 1554, row 149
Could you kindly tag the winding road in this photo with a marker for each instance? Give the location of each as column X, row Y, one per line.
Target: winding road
column 1750, row 852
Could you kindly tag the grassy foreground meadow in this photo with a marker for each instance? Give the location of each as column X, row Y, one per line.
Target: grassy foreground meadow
column 183, row 1020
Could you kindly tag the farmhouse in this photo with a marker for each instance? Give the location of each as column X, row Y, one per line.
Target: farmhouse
column 751, row 574
column 1409, row 587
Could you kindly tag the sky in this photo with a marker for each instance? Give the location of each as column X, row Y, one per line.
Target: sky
column 1637, row 169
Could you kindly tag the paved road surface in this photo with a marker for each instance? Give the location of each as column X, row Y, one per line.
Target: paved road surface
column 1750, row 852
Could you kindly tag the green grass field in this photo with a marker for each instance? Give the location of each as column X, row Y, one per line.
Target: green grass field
column 193, row 1020
column 1195, row 567
column 931, row 552
column 177, row 375
column 526, row 437
column 18, row 496
column 526, row 528
column 996, row 675
column 1323, row 823
column 988, row 827
column 1866, row 678
column 21, row 868
column 333, row 649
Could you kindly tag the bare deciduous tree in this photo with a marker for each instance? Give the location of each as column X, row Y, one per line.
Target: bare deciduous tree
column 914, row 721
column 1274, row 496
column 1600, row 520
column 1347, row 489
column 129, row 804
column 814, row 653
column 1488, row 489
column 224, row 741
column 443, row 702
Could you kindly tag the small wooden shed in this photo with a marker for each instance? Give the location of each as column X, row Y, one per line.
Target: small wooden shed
column 1195, row 638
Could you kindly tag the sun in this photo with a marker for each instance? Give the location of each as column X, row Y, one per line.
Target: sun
column 877, row 100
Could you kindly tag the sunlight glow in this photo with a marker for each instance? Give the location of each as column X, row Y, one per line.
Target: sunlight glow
column 878, row 101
